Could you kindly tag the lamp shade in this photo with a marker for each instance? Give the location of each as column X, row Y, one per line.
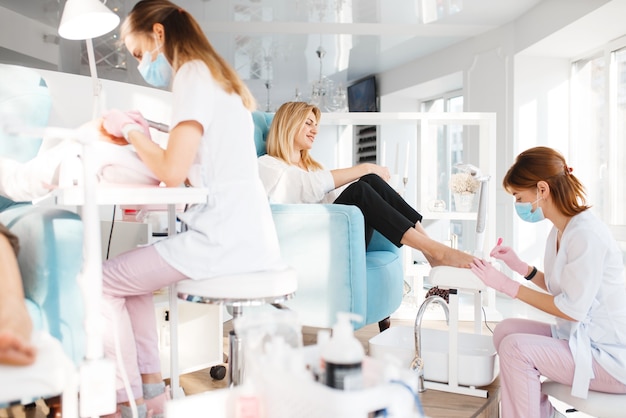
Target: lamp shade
column 86, row 19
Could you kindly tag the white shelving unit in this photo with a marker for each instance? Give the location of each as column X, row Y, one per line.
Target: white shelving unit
column 478, row 146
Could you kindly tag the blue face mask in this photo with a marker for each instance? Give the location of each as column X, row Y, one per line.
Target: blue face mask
column 525, row 211
column 158, row 72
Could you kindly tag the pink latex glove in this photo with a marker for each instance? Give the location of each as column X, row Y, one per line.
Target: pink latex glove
column 493, row 278
column 140, row 120
column 114, row 120
column 509, row 257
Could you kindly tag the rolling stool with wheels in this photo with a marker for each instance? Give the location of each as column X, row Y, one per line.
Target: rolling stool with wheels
column 236, row 291
column 597, row 404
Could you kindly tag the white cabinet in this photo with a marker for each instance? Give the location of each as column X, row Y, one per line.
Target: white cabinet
column 200, row 334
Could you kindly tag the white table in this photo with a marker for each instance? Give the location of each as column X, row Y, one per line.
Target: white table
column 130, row 195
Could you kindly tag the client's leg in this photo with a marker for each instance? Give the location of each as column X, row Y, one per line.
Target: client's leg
column 400, row 226
column 435, row 252
column 15, row 324
column 35, row 178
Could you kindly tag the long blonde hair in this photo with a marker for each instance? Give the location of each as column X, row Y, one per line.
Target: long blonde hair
column 545, row 164
column 285, row 126
column 184, row 41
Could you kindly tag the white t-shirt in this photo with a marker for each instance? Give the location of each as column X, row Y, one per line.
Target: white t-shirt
column 586, row 277
column 286, row 183
column 233, row 232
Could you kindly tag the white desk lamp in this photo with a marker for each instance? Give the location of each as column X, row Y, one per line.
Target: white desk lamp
column 87, row 19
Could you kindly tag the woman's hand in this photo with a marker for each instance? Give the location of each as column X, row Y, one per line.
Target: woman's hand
column 509, row 257
column 494, row 279
column 114, row 121
column 380, row 171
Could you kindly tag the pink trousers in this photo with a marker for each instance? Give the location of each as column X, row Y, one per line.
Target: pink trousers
column 528, row 351
column 128, row 310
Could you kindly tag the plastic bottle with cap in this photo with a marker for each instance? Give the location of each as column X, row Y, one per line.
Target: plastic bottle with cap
column 343, row 355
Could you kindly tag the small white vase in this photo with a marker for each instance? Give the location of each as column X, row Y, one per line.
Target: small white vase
column 463, row 201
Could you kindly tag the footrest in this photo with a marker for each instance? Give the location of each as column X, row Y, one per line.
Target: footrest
column 455, row 278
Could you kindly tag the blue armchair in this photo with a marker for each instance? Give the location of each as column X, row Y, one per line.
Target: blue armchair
column 50, row 239
column 325, row 243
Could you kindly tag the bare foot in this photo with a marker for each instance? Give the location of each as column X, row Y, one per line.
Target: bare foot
column 14, row 351
column 442, row 255
column 435, row 252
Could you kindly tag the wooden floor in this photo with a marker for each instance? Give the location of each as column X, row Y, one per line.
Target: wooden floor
column 435, row 403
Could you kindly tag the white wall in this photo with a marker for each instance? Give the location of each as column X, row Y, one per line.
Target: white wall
column 541, row 103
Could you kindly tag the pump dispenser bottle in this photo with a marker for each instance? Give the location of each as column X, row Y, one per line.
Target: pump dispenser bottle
column 343, row 355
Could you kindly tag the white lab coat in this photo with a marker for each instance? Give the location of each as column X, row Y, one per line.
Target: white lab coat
column 234, row 232
column 586, row 276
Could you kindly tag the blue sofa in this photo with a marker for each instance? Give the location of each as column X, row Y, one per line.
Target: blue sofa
column 51, row 239
column 325, row 243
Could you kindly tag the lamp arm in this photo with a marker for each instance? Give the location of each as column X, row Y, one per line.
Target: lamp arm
column 97, row 85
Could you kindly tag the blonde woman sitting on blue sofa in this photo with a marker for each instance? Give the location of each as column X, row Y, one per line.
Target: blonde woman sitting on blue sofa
column 291, row 175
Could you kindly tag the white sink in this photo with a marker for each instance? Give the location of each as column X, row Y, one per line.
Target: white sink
column 477, row 362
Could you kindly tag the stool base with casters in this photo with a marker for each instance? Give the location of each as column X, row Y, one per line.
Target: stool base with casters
column 237, row 291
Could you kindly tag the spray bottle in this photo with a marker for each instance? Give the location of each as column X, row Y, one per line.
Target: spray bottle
column 343, row 355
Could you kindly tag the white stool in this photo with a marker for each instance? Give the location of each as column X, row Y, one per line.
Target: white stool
column 236, row 291
column 597, row 404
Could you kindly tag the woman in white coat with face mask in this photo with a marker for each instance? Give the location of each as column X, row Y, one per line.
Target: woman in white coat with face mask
column 583, row 283
column 210, row 145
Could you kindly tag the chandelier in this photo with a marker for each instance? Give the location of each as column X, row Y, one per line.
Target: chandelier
column 324, row 94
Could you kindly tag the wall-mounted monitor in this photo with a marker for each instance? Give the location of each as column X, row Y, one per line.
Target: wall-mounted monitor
column 362, row 95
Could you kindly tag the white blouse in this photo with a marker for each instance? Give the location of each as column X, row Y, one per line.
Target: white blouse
column 586, row 276
column 286, row 183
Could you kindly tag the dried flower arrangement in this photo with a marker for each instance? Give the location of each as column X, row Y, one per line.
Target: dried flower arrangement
column 463, row 183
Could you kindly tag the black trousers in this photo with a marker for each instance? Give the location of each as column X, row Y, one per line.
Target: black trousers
column 383, row 208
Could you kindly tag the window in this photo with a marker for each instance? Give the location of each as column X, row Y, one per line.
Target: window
column 598, row 136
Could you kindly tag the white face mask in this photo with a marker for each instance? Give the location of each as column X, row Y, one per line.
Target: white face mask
column 158, row 72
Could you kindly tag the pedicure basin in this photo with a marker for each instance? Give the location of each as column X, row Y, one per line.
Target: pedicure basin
column 474, row 361
column 477, row 359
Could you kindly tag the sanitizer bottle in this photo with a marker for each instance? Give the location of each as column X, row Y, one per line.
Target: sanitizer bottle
column 343, row 355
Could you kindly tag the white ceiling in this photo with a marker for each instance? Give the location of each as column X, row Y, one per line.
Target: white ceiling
column 278, row 39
